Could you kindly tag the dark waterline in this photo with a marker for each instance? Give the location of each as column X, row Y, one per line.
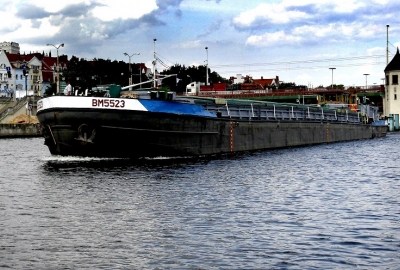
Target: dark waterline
column 333, row 206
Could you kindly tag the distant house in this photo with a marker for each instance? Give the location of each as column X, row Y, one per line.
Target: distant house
column 265, row 83
column 10, row 47
column 268, row 83
column 40, row 71
column 236, row 80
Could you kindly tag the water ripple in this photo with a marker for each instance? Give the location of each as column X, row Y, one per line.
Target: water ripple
column 332, row 206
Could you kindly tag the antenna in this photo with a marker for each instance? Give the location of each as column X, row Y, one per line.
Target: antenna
column 387, row 44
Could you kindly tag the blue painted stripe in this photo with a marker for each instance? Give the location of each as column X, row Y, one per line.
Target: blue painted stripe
column 175, row 107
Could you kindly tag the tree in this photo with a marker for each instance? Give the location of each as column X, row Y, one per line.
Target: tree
column 84, row 74
column 186, row 75
column 50, row 90
column 283, row 85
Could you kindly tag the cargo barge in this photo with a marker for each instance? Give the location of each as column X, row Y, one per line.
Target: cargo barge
column 157, row 123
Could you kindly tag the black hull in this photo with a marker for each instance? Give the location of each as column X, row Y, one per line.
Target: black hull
column 117, row 133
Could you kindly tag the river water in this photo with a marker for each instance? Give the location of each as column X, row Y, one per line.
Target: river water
column 331, row 206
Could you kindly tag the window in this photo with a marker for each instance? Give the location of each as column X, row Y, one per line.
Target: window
column 16, row 76
column 387, row 80
column 395, row 96
column 395, row 79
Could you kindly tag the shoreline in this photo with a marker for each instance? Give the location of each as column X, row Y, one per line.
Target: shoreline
column 20, row 130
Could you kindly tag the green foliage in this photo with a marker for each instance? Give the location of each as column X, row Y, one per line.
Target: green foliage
column 336, row 86
column 186, row 75
column 51, row 90
column 84, row 74
column 283, row 85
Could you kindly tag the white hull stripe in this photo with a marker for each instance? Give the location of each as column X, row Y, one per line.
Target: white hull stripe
column 72, row 102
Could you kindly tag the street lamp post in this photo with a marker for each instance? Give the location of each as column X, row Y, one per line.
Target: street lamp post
column 140, row 73
column 24, row 67
column 332, row 68
column 366, row 82
column 58, row 68
column 130, row 70
column 207, row 66
column 77, row 90
column 190, row 83
column 154, row 64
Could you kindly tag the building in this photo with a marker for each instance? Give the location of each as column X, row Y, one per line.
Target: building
column 6, row 83
column 49, row 71
column 391, row 101
column 268, row 83
column 25, row 74
column 272, row 83
column 10, row 47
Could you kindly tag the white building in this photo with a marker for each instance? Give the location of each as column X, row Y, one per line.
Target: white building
column 391, row 101
column 10, row 47
column 7, row 86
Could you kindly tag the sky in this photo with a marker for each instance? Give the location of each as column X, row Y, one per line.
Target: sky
column 299, row 41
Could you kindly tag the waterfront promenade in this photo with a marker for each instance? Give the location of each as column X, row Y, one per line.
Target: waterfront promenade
column 20, row 130
column 16, row 120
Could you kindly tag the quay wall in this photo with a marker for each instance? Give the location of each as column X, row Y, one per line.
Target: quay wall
column 20, row 130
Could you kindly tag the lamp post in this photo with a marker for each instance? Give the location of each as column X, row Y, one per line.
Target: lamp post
column 190, row 83
column 154, row 64
column 140, row 73
column 207, row 66
column 366, row 84
column 332, row 68
column 77, row 90
column 130, row 70
column 58, row 68
column 25, row 72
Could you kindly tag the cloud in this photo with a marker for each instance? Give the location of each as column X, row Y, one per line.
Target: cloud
column 272, row 39
column 215, row 26
column 101, row 9
column 79, row 10
column 86, row 24
column 323, row 31
column 312, row 22
column 29, row 11
column 289, row 13
column 266, row 14
column 309, row 34
column 189, row 44
column 121, row 9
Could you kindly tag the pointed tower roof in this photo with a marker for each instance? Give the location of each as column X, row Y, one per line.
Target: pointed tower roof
column 395, row 63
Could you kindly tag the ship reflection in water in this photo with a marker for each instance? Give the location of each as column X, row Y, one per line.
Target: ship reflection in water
column 330, row 206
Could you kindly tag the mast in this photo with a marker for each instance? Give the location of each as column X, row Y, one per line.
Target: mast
column 207, row 66
column 154, row 64
column 387, row 44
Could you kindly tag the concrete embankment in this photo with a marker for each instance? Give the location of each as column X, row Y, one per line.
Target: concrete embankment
column 20, row 130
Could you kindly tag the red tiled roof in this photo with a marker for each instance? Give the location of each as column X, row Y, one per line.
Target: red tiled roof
column 47, row 63
column 52, row 61
column 264, row 81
